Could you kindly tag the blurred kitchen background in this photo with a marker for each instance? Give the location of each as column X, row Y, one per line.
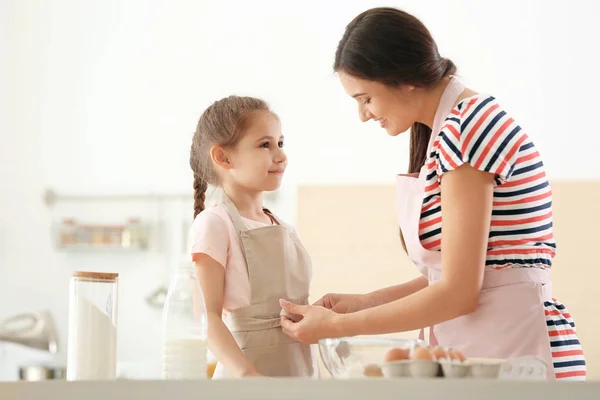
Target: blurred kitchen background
column 99, row 100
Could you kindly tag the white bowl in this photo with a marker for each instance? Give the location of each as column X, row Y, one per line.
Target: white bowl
column 339, row 355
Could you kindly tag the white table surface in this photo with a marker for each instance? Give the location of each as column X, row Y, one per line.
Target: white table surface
column 297, row 389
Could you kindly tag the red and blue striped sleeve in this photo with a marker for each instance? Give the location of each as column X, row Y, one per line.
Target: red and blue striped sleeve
column 479, row 132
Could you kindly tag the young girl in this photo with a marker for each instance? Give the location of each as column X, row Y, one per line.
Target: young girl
column 246, row 258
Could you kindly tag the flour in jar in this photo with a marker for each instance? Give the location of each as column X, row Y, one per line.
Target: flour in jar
column 92, row 347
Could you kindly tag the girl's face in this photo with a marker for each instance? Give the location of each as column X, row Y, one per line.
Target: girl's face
column 258, row 161
column 395, row 108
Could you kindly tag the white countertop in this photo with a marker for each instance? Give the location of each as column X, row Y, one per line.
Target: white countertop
column 297, row 389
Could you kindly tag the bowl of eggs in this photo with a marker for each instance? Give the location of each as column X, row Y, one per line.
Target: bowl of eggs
column 424, row 362
column 382, row 357
column 362, row 357
column 391, row 358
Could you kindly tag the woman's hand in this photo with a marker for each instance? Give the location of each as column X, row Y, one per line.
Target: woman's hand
column 343, row 303
column 317, row 323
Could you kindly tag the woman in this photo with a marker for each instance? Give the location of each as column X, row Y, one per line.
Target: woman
column 485, row 287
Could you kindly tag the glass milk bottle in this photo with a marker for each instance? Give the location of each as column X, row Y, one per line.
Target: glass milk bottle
column 92, row 340
column 184, row 327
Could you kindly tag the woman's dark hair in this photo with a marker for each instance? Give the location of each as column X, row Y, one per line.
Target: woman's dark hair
column 392, row 47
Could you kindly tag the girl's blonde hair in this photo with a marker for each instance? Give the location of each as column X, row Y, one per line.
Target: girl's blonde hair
column 222, row 123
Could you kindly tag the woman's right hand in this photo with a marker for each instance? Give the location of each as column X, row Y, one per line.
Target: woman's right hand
column 343, row 303
column 349, row 303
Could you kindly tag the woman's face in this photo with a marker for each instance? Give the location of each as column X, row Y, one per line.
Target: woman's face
column 395, row 108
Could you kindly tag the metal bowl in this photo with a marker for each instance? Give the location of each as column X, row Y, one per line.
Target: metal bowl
column 41, row 373
column 347, row 358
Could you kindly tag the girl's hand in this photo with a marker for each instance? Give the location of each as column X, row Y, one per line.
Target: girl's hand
column 251, row 374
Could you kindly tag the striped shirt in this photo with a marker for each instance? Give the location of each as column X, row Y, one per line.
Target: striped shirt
column 479, row 132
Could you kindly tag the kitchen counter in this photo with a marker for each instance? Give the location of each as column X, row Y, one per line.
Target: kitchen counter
column 297, row 389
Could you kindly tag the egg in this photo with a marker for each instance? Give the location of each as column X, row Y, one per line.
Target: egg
column 456, row 355
column 439, row 353
column 397, row 355
column 422, row 353
column 372, row 370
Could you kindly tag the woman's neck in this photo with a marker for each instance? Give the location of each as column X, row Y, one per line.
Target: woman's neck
column 431, row 100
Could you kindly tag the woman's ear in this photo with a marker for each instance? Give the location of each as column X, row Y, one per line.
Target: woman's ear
column 220, row 157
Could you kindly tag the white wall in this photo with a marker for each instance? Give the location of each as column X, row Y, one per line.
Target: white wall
column 103, row 97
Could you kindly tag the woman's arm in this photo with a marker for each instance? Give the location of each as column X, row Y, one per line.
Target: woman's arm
column 466, row 215
column 211, row 276
column 392, row 293
column 346, row 303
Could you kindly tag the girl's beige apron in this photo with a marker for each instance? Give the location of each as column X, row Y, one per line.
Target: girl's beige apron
column 278, row 267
